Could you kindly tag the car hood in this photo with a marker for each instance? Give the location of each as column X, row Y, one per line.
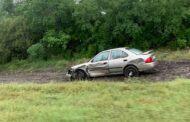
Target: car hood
column 79, row 66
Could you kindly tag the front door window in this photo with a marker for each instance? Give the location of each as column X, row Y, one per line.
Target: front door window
column 102, row 56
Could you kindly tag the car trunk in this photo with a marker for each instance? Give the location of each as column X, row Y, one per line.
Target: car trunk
column 150, row 54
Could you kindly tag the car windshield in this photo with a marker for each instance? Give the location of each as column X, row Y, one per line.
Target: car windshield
column 136, row 51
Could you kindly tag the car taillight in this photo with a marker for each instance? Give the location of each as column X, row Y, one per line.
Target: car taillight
column 149, row 60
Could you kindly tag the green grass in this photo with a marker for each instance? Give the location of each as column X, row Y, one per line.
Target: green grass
column 25, row 65
column 96, row 101
column 38, row 65
column 169, row 55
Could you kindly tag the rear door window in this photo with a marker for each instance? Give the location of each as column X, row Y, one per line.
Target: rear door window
column 116, row 54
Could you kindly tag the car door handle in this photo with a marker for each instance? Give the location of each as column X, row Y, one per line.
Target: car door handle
column 105, row 63
column 125, row 60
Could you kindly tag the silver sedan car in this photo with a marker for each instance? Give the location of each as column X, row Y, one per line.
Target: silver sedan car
column 126, row 61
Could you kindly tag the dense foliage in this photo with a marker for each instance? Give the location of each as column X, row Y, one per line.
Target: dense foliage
column 76, row 28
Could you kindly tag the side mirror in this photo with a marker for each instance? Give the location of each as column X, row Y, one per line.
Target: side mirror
column 91, row 61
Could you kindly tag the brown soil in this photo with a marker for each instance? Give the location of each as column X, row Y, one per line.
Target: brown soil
column 169, row 71
column 165, row 71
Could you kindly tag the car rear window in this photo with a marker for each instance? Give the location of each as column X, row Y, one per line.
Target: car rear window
column 136, row 51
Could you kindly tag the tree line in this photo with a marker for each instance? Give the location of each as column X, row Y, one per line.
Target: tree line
column 40, row 29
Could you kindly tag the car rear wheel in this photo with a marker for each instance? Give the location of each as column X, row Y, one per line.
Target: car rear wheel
column 80, row 75
column 131, row 71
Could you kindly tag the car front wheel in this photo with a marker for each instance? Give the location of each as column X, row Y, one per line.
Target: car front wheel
column 131, row 71
column 80, row 75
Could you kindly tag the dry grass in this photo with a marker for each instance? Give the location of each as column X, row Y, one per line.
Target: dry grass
column 164, row 54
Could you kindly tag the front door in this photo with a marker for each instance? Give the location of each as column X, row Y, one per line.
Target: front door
column 99, row 66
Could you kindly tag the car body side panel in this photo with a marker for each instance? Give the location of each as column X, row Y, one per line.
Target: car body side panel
column 98, row 69
column 135, row 62
column 116, row 66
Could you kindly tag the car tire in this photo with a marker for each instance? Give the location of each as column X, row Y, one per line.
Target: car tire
column 131, row 71
column 80, row 75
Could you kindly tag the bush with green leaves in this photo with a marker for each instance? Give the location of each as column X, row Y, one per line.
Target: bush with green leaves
column 36, row 51
column 5, row 56
column 181, row 43
column 83, row 28
column 55, row 42
column 14, row 36
column 178, row 44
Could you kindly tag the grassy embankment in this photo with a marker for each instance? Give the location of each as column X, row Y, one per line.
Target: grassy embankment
column 39, row 65
column 169, row 55
column 100, row 101
column 60, row 64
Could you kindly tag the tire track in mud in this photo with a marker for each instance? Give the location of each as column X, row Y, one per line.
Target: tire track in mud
column 169, row 70
column 165, row 71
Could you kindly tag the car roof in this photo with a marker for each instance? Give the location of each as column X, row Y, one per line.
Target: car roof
column 121, row 48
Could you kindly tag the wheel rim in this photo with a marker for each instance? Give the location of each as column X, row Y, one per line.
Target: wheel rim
column 131, row 73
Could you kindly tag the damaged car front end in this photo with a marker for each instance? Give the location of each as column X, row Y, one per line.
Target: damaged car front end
column 78, row 72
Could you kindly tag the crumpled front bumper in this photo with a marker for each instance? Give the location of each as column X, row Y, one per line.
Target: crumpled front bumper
column 71, row 74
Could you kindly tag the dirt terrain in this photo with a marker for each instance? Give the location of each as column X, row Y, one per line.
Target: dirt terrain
column 169, row 70
column 166, row 70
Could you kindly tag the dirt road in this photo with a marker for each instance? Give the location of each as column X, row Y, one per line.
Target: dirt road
column 164, row 71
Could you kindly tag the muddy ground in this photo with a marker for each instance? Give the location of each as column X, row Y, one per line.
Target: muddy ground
column 165, row 71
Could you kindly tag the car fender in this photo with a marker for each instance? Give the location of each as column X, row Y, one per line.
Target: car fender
column 82, row 68
column 135, row 63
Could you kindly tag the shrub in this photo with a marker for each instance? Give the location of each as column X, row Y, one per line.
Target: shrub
column 55, row 42
column 14, row 37
column 181, row 43
column 5, row 56
column 187, row 36
column 178, row 44
column 36, row 51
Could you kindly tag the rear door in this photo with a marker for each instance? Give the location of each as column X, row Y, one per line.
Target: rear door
column 99, row 66
column 118, row 60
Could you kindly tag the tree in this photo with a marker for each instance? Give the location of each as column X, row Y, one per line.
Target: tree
column 8, row 6
column 14, row 37
column 85, row 27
